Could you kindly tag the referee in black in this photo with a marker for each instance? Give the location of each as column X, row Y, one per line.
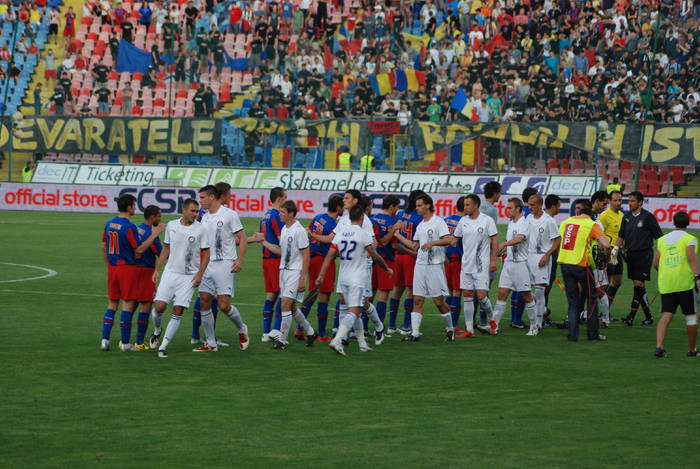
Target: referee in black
column 638, row 231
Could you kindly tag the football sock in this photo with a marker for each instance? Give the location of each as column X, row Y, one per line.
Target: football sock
column 611, row 291
column 416, row 319
column 278, row 315
column 360, row 333
column 499, row 310
column 196, row 318
column 374, row 316
column 141, row 326
column 636, row 301
column 267, row 316
column 540, row 305
column 215, row 308
column 486, row 309
column 235, row 316
column 107, row 323
column 125, row 326
column 450, row 300
column 209, row 326
column 604, row 307
column 343, row 309
column 344, row 327
column 365, row 319
column 285, row 324
column 381, row 310
column 447, row 317
column 469, row 314
column 336, row 316
column 305, row 311
column 531, row 309
column 157, row 320
column 645, row 303
column 170, row 331
column 516, row 307
column 407, row 310
column 303, row 322
column 322, row 314
column 393, row 312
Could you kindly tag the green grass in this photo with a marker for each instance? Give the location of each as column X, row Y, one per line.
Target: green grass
column 505, row 401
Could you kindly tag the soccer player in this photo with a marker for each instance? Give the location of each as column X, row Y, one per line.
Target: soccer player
column 405, row 263
column 224, row 230
column 322, row 225
column 677, row 263
column 429, row 241
column 515, row 276
column 385, row 226
column 478, row 237
column 638, row 231
column 271, row 227
column 543, row 241
column 612, row 220
column 454, row 264
column 147, row 264
column 185, row 239
column 517, row 302
column 599, row 203
column 120, row 247
column 552, row 205
column 293, row 251
column 492, row 194
column 352, row 243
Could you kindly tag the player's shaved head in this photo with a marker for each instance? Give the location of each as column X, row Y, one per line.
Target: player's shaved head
column 474, row 198
column 210, row 190
column 151, row 211
column 276, row 193
column 189, row 202
column 356, row 213
column 535, row 199
column 223, row 188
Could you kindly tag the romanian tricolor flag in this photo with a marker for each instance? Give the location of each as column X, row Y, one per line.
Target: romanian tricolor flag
column 383, row 83
column 409, row 79
column 464, row 153
column 462, row 104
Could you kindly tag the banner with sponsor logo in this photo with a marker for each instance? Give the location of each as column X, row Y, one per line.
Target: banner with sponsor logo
column 114, row 135
column 254, row 202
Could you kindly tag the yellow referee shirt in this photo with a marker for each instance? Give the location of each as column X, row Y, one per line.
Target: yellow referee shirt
column 611, row 224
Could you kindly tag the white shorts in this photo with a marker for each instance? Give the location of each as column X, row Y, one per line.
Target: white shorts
column 289, row 285
column 515, row 276
column 539, row 275
column 177, row 288
column 429, row 281
column 354, row 294
column 218, row 279
column 474, row 281
column 600, row 277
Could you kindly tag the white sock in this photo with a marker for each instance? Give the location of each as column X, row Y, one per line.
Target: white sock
column 540, row 302
column 344, row 327
column 170, row 331
column 235, row 316
column 486, row 307
column 469, row 313
column 286, row 325
column 360, row 332
column 342, row 312
column 374, row 317
column 447, row 317
column 208, row 325
column 604, row 306
column 531, row 313
column 303, row 322
column 157, row 320
column 499, row 310
column 416, row 318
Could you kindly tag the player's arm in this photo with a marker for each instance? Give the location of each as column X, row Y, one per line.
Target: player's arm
column 517, row 239
column 203, row 263
column 386, row 239
column 411, row 245
column 330, row 257
column 657, row 257
column 304, row 268
column 104, row 253
column 693, row 261
column 155, row 233
column 444, row 241
column 164, row 254
column 242, row 240
column 327, row 239
column 273, row 248
column 379, row 260
column 493, row 263
column 555, row 247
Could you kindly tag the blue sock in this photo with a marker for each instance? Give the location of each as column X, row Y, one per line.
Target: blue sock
column 482, row 314
column 453, row 302
column 381, row 310
column 393, row 312
column 407, row 310
column 107, row 323
column 278, row 316
column 196, row 319
column 142, row 326
column 517, row 305
column 322, row 312
column 267, row 316
column 336, row 316
column 365, row 320
column 125, row 326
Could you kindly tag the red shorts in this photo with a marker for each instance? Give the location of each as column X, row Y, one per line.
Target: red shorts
column 453, row 271
column 122, row 282
column 328, row 284
column 381, row 279
column 145, row 287
column 404, row 270
column 49, row 74
column 271, row 274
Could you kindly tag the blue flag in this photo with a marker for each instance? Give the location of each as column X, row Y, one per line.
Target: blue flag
column 132, row 59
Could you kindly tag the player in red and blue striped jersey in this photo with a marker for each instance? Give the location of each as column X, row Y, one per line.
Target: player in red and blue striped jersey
column 146, row 287
column 271, row 228
column 121, row 248
column 453, row 265
column 405, row 263
column 322, row 225
column 385, row 226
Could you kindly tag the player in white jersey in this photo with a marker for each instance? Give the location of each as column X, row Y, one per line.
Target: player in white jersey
column 185, row 239
column 224, row 230
column 294, row 267
column 542, row 243
column 429, row 281
column 353, row 244
column 515, row 275
column 479, row 237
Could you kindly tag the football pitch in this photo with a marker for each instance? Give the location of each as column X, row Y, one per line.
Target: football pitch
column 508, row 401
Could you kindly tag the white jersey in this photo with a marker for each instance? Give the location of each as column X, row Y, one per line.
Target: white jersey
column 476, row 242
column 344, row 222
column 518, row 253
column 221, row 228
column 351, row 244
column 543, row 231
column 185, row 242
column 293, row 240
column 431, row 230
